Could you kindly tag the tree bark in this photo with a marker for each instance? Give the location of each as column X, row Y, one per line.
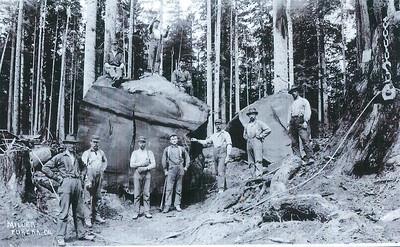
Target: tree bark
column 210, row 124
column 15, row 117
column 290, row 42
column 237, row 83
column 280, row 46
column 217, row 62
column 111, row 13
column 32, row 98
column 61, row 98
column 231, row 64
column 4, row 50
column 130, row 39
column 89, row 73
column 11, row 81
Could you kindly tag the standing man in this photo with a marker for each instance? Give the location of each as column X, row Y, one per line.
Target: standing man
column 182, row 79
column 114, row 64
column 155, row 41
column 298, row 124
column 96, row 163
column 142, row 161
column 175, row 161
column 222, row 146
column 255, row 132
column 66, row 169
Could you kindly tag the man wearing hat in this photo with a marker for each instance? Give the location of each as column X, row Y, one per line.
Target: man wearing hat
column 175, row 161
column 142, row 161
column 155, row 41
column 68, row 171
column 96, row 163
column 222, row 146
column 298, row 123
column 255, row 132
column 181, row 78
column 114, row 63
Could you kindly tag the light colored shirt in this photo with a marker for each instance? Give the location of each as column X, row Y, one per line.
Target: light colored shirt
column 256, row 129
column 219, row 139
column 140, row 157
column 95, row 159
column 300, row 107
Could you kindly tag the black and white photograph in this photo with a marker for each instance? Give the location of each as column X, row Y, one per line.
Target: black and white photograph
column 199, row 122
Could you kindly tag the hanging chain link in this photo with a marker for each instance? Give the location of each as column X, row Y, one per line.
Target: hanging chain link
column 386, row 63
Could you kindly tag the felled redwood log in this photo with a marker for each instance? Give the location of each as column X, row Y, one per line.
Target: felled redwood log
column 152, row 107
column 280, row 179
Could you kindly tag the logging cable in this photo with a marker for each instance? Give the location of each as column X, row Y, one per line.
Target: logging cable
column 327, row 163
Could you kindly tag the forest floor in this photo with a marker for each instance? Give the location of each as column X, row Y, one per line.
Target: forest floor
column 218, row 220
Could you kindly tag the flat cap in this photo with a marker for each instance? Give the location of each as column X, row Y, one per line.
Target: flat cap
column 218, row 121
column 252, row 110
column 142, row 139
column 293, row 89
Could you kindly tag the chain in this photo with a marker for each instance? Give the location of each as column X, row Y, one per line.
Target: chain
column 386, row 63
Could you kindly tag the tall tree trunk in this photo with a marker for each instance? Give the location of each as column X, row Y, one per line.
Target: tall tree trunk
column 217, row 62
column 280, row 46
column 162, row 40
column 231, row 64
column 363, row 35
column 89, row 73
column 21, row 94
column 247, row 80
column 61, row 98
column 43, row 89
column 343, row 14
column 237, row 83
column 290, row 42
column 38, row 72
column 11, row 81
column 110, row 20
column 4, row 50
column 52, row 80
column 32, row 87
column 130, row 39
column 15, row 117
column 209, row 71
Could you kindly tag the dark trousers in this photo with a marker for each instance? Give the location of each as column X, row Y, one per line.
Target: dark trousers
column 175, row 175
column 298, row 131
column 70, row 193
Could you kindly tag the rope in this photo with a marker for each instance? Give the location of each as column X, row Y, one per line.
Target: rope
column 323, row 168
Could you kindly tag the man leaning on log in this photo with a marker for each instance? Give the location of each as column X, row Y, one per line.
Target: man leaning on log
column 142, row 161
column 222, row 146
column 96, row 163
column 255, row 132
column 67, row 169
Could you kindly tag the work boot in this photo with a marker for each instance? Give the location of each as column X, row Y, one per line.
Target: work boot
column 99, row 219
column 60, row 241
column 86, row 237
column 166, row 210
column 88, row 223
column 178, row 208
column 148, row 215
column 135, row 216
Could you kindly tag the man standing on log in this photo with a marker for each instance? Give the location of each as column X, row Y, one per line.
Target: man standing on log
column 156, row 36
column 142, row 161
column 96, row 163
column 298, row 118
column 175, row 161
column 222, row 146
column 182, row 79
column 255, row 132
column 69, row 172
column 114, row 64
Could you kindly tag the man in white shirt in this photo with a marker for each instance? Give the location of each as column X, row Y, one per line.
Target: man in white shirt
column 114, row 63
column 142, row 161
column 255, row 132
column 222, row 146
column 96, row 163
column 298, row 123
column 156, row 37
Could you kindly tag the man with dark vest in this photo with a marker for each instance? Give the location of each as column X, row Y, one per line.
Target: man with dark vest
column 298, row 123
column 96, row 163
column 222, row 146
column 255, row 132
column 142, row 161
column 175, row 161
column 67, row 169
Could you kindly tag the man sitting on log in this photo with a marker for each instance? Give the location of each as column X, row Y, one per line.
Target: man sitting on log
column 142, row 161
column 298, row 117
column 69, row 172
column 255, row 132
column 96, row 163
column 222, row 146
column 175, row 161
column 181, row 78
column 114, row 64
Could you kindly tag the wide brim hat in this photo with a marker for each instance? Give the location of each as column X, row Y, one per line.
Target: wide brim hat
column 70, row 139
column 293, row 89
column 252, row 110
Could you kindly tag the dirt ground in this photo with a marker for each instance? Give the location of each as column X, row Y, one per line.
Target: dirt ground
column 216, row 220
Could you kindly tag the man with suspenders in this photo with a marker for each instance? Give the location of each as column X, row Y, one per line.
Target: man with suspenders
column 175, row 161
